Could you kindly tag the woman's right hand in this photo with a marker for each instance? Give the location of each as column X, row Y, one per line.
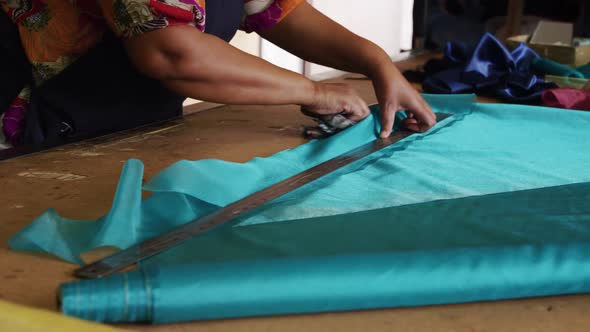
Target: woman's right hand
column 333, row 98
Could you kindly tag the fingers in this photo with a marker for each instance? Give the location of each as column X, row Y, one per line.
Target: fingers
column 421, row 112
column 387, row 120
column 411, row 123
column 428, row 110
column 420, row 116
column 339, row 99
column 309, row 113
column 351, row 104
column 357, row 110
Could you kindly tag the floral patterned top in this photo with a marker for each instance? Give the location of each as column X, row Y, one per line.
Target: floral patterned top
column 55, row 33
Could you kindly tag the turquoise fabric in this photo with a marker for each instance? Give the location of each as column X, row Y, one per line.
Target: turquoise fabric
column 385, row 210
column 204, row 185
column 509, row 245
column 585, row 70
column 550, row 67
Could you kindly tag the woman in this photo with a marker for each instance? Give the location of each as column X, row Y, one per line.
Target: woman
column 84, row 79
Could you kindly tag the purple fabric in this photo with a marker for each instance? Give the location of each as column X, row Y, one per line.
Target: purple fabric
column 263, row 20
column 13, row 122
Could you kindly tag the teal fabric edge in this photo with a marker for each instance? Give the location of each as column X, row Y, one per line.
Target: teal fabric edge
column 69, row 238
column 551, row 67
column 585, row 70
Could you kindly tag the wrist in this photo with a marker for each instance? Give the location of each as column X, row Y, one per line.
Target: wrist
column 381, row 68
column 304, row 92
column 376, row 62
column 314, row 92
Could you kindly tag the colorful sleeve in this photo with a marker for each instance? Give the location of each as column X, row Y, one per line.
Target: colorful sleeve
column 129, row 18
column 261, row 15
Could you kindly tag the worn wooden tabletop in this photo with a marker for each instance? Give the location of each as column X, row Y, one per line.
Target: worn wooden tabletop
column 79, row 181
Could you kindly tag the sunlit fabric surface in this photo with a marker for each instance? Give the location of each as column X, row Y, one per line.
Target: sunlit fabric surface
column 491, row 70
column 489, row 204
column 575, row 99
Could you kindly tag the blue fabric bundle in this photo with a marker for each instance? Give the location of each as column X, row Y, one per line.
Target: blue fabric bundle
column 489, row 204
column 491, row 70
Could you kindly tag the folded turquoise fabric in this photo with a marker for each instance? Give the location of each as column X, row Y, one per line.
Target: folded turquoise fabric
column 550, row 67
column 385, row 209
column 585, row 70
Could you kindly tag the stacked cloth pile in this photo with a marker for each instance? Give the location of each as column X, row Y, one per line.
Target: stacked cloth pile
column 513, row 76
column 570, row 98
column 492, row 203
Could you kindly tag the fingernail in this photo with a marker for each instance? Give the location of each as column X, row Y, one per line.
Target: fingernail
column 384, row 134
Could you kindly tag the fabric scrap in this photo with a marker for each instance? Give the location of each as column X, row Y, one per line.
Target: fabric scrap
column 574, row 99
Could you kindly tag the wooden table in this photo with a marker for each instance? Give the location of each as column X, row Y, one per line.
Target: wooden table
column 79, row 180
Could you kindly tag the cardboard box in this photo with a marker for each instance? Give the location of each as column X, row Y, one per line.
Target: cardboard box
column 554, row 40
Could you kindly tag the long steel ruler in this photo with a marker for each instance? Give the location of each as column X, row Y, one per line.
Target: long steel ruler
column 176, row 236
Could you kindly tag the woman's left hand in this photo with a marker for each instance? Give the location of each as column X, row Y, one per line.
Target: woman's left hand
column 396, row 94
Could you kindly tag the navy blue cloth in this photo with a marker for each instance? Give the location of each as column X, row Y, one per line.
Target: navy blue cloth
column 118, row 97
column 490, row 70
column 100, row 93
column 17, row 73
column 224, row 17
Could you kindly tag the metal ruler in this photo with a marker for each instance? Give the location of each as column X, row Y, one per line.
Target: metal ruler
column 176, row 236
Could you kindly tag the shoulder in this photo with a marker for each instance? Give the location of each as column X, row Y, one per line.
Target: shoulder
column 264, row 14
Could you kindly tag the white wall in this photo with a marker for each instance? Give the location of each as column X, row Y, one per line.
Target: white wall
column 388, row 23
column 247, row 42
column 274, row 54
column 385, row 22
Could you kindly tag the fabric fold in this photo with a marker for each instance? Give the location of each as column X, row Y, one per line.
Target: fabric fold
column 68, row 238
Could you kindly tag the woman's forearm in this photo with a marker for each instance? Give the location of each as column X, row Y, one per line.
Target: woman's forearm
column 204, row 67
column 314, row 37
